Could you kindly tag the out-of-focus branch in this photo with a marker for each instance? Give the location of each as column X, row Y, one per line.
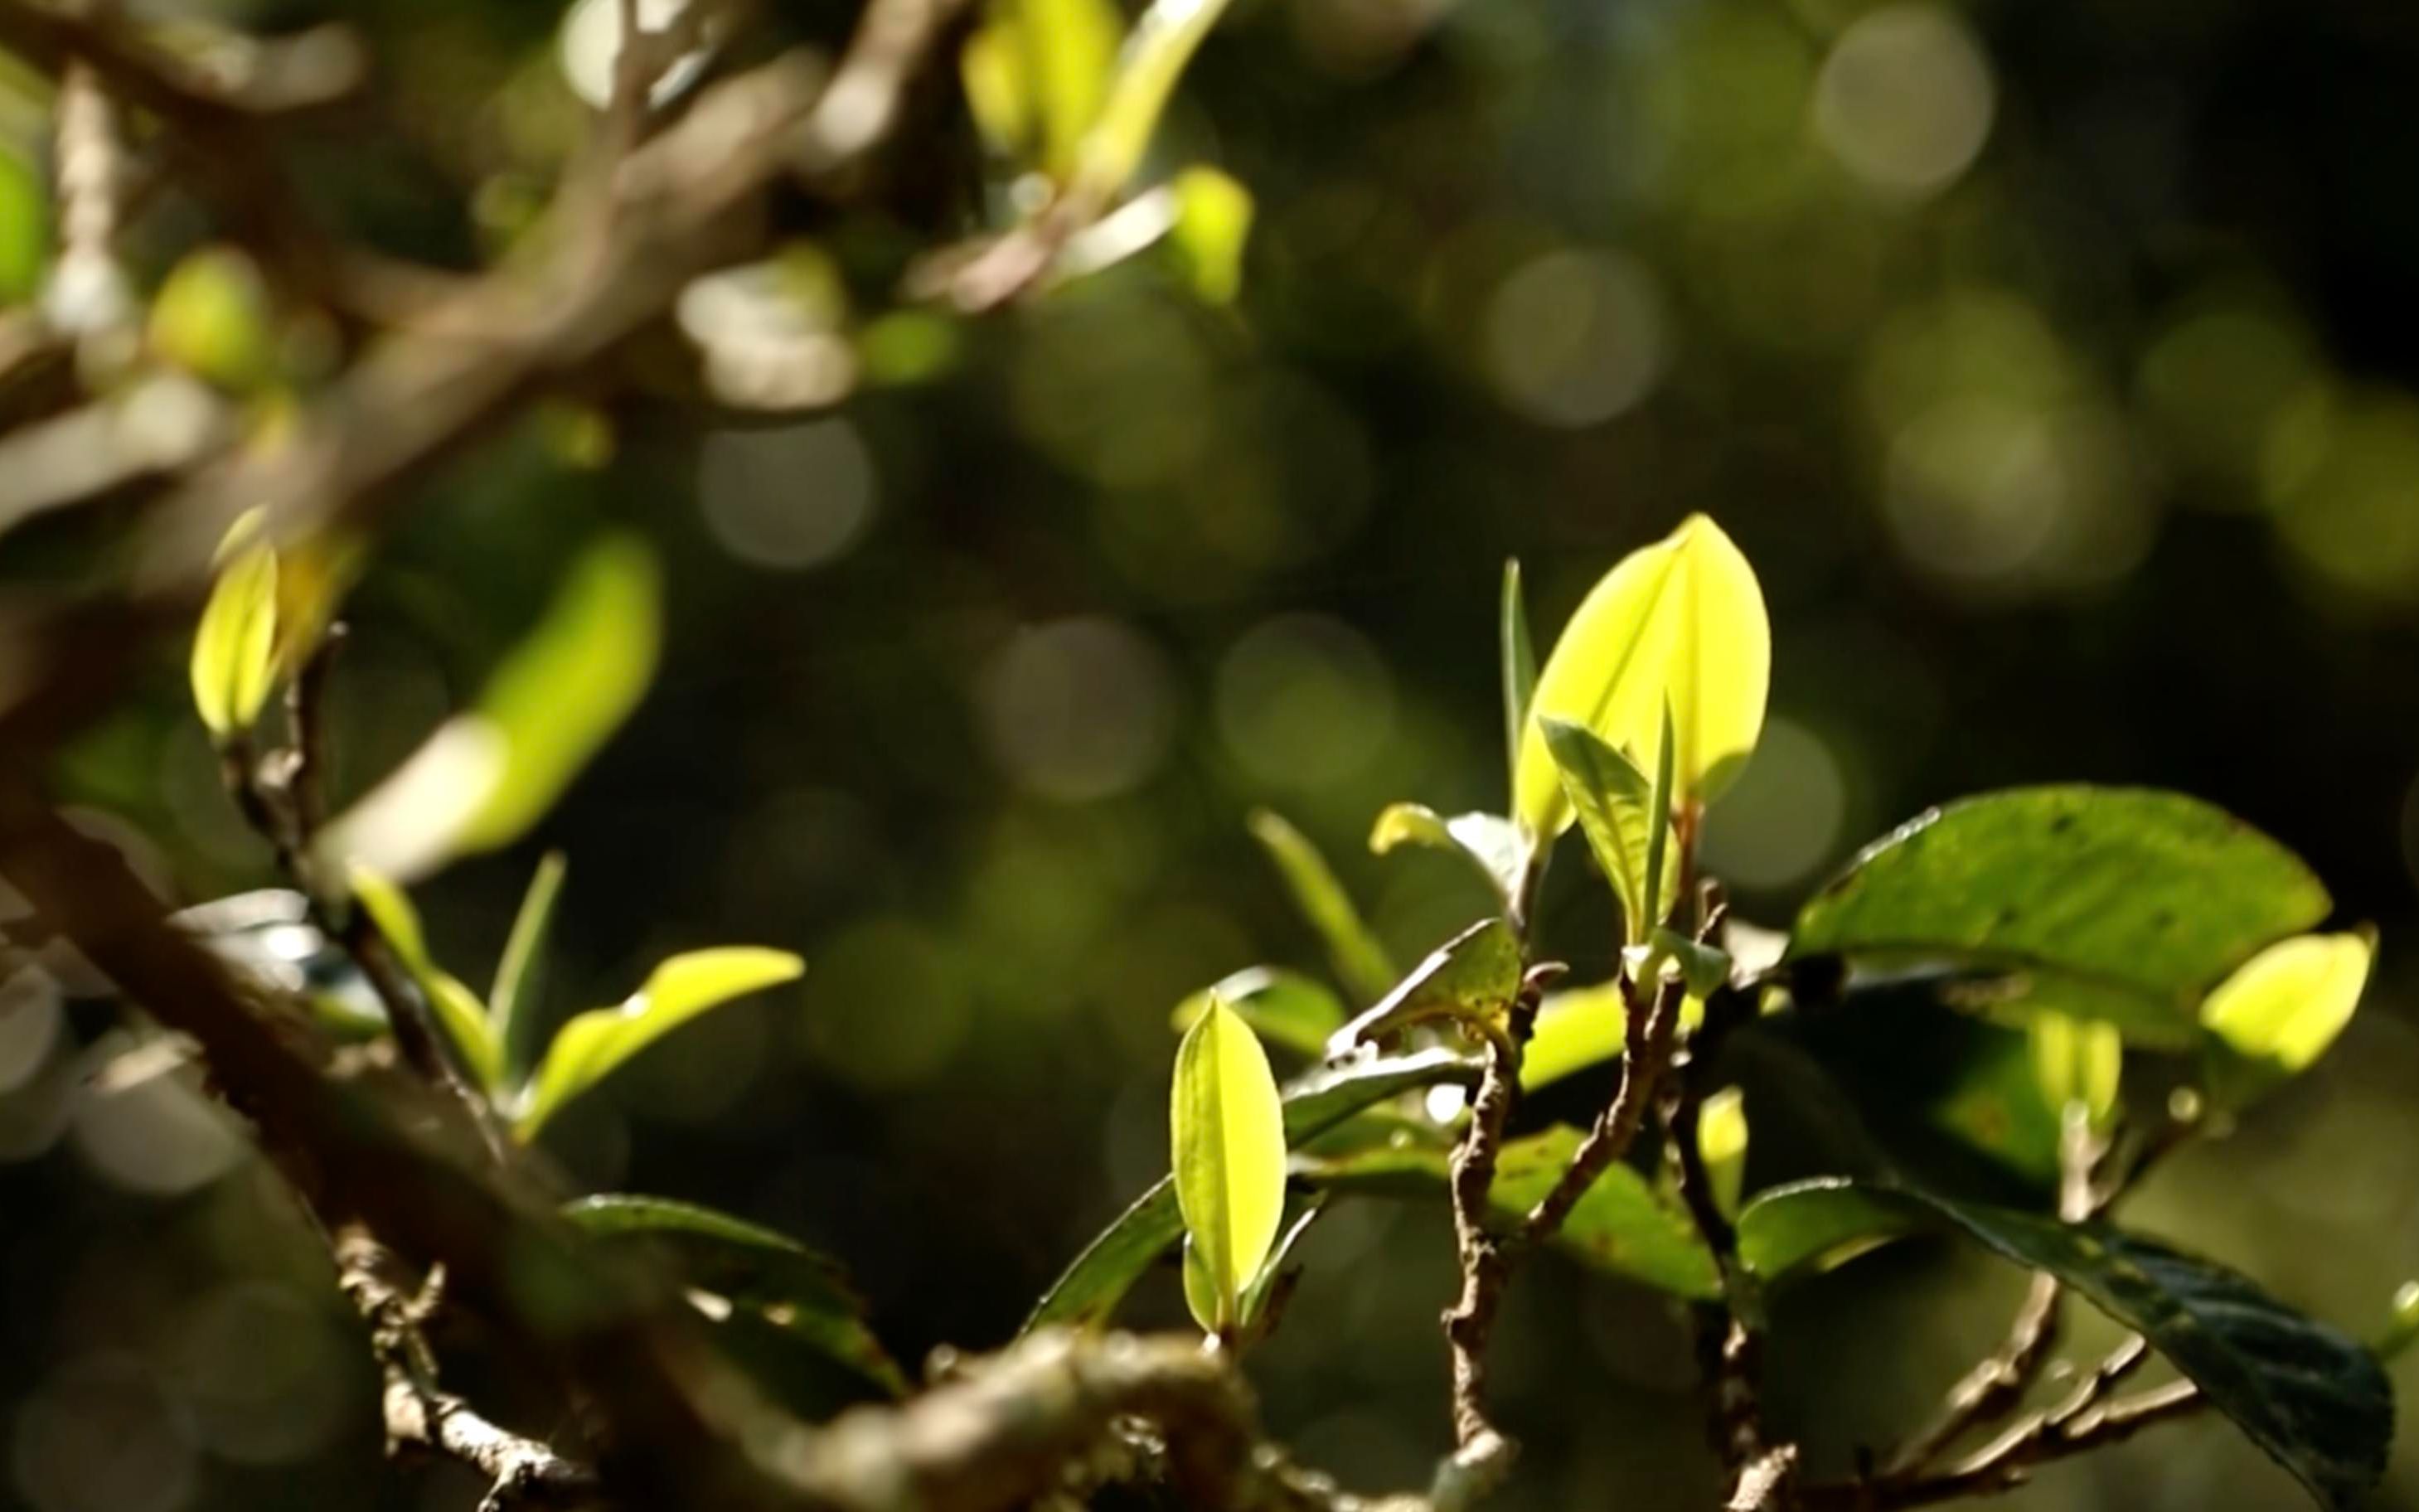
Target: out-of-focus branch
column 240, row 79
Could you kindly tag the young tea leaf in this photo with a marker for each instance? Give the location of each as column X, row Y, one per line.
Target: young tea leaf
column 1153, row 59
column 2116, row 904
column 1683, row 621
column 508, row 996
column 1721, row 1142
column 1316, row 1103
column 1213, row 221
column 593, row 1044
column 1519, row 657
column 2281, row 1009
column 2078, row 1061
column 454, row 1007
column 1361, row 963
column 233, row 663
column 1227, row 1143
column 1614, row 802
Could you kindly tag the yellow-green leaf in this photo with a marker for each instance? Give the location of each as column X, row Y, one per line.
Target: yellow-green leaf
column 1721, row 1142
column 234, row 661
column 2281, row 1009
column 1472, row 975
column 991, row 69
column 2077, row 1061
column 1681, row 621
column 212, row 317
column 1069, row 48
column 1488, row 841
column 1213, row 221
column 489, row 774
column 456, row 1009
column 1519, row 658
column 1615, row 804
column 1155, row 55
column 1200, row 1288
column 1227, row 1137
column 593, row 1044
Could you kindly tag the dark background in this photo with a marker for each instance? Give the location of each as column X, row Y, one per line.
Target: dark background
column 2052, row 362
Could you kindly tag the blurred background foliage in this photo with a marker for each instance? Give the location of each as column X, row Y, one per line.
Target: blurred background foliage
column 2053, row 362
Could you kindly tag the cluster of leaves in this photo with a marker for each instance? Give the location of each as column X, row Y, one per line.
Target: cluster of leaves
column 2105, row 925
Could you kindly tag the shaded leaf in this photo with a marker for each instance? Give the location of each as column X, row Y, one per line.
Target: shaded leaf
column 1098, row 1278
column 1284, row 1007
column 1680, row 622
column 593, row 1044
column 2281, row 1009
column 232, row 665
column 1301, row 1211
column 2314, row 1400
column 1476, row 972
column 2116, row 903
column 1361, row 963
column 1488, row 841
column 774, row 1278
column 1226, row 1148
column 1622, row 1227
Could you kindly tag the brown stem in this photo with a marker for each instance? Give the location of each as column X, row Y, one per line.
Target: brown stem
column 1652, row 1023
column 1485, row 1266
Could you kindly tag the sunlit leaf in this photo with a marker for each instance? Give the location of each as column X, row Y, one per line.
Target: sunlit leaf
column 2401, row 1325
column 212, row 317
column 1683, row 621
column 1475, row 973
column 26, row 234
column 2314, row 1400
column 508, row 996
column 1614, row 802
column 458, row 1011
column 990, row 70
column 591, row 1045
column 1316, row 1103
column 486, row 775
column 234, row 665
column 1153, row 59
column 1284, row 1007
column 1071, row 51
column 2078, row 1061
column 1361, row 963
column 2115, row 904
column 1576, row 1029
column 773, row 1277
column 1488, row 841
column 1213, row 221
column 1622, row 1226
column 1519, row 667
column 2281, row 1009
column 1227, row 1145
column 1721, row 1142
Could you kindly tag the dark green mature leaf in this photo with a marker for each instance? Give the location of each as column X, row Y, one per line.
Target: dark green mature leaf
column 766, row 1279
column 2312, row 1397
column 1284, row 1007
column 2117, row 903
column 1091, row 1288
column 1361, row 963
column 1622, row 1227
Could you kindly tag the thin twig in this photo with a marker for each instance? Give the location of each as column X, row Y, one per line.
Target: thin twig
column 1998, row 1384
column 1652, row 1023
column 522, row 1472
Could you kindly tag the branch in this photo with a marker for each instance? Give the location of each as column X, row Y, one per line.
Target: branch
column 522, row 1472
column 2085, row 1421
column 1653, row 1023
column 1997, row 1386
column 240, row 81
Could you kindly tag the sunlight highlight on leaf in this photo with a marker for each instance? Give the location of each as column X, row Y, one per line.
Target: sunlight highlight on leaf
column 1227, row 1137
